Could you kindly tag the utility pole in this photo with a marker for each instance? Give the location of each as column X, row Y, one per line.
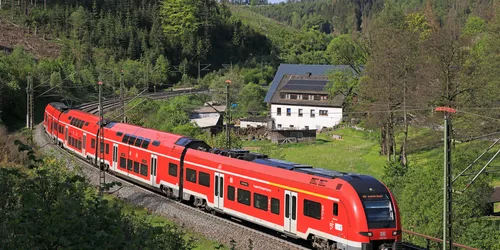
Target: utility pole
column 200, row 69
column 228, row 115
column 122, row 97
column 102, row 169
column 30, row 106
column 447, row 182
column 228, row 67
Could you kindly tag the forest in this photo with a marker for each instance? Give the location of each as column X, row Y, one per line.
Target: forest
column 408, row 57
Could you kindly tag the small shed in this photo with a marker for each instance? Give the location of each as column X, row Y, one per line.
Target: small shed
column 494, row 200
column 281, row 136
column 254, row 122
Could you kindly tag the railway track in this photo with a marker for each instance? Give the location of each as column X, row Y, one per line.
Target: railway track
column 216, row 227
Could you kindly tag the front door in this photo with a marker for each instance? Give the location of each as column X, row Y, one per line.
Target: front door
column 115, row 156
column 84, row 144
column 219, row 191
column 154, row 160
column 290, row 212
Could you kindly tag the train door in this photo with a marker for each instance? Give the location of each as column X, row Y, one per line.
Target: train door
column 84, row 146
column 219, row 191
column 66, row 136
column 154, row 161
column 290, row 212
column 115, row 157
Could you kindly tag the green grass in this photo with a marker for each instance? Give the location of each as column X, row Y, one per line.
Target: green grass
column 356, row 152
column 201, row 243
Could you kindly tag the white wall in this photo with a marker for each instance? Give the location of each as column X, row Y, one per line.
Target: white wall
column 317, row 122
column 245, row 124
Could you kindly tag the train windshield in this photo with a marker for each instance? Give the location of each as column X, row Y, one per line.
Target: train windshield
column 379, row 211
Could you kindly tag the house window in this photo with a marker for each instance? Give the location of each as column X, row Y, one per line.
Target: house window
column 313, row 113
column 291, row 126
column 287, row 96
column 293, row 96
column 306, row 127
column 323, row 113
column 279, row 125
column 317, row 97
column 278, row 111
column 301, row 113
column 324, row 98
column 288, row 111
column 299, row 97
column 311, row 97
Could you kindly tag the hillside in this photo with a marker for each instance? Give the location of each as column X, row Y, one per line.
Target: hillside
column 294, row 45
column 13, row 35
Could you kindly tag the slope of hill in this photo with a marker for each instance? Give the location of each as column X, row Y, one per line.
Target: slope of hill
column 13, row 35
column 294, row 45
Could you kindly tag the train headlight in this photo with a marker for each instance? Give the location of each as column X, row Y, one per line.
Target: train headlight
column 396, row 232
column 367, row 234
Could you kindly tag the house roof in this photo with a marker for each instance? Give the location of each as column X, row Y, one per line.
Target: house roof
column 299, row 69
column 208, row 109
column 304, row 84
column 206, row 122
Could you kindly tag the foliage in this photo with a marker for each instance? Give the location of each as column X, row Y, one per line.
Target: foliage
column 51, row 207
column 219, row 140
column 421, row 207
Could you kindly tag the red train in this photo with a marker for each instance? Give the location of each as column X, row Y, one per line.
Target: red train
column 334, row 210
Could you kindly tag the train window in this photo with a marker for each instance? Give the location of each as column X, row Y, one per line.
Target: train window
column 172, row 169
column 260, row 201
column 129, row 164
column 72, row 122
column 191, row 175
column 78, row 144
column 101, row 147
column 87, row 123
column 92, row 143
column 294, row 207
column 123, row 162
column 125, row 138
column 230, row 193
column 119, row 133
column 335, row 209
column 145, row 143
column 204, row 179
column 138, row 142
column 275, row 206
column 136, row 167
column 107, row 148
column 81, row 124
column 156, row 143
column 244, row 196
column 131, row 140
column 312, row 209
column 144, row 169
column 69, row 118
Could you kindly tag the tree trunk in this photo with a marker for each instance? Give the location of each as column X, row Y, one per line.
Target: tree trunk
column 383, row 149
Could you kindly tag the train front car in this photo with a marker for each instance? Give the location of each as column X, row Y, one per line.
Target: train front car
column 375, row 210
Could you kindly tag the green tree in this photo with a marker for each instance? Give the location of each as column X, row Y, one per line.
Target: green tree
column 251, row 99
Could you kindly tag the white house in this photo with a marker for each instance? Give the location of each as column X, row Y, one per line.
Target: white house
column 299, row 100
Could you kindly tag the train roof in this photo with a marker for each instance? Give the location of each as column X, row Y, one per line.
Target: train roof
column 152, row 134
column 59, row 106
